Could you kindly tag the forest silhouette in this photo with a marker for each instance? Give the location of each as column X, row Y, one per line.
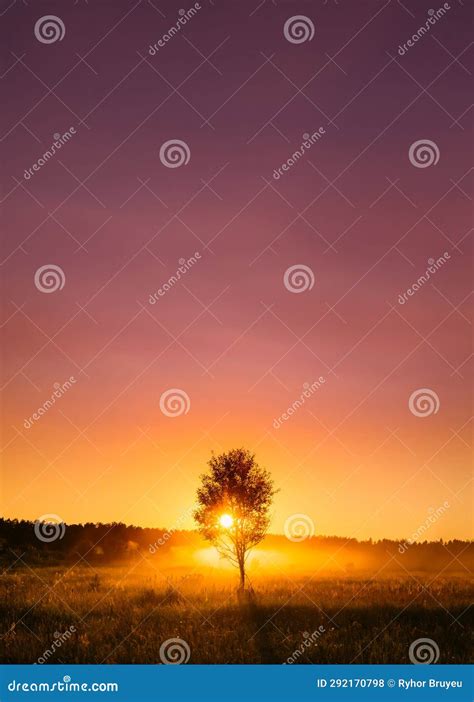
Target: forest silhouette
column 109, row 543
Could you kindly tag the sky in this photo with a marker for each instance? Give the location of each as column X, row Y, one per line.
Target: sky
column 238, row 337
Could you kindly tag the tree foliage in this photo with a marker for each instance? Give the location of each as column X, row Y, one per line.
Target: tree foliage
column 236, row 486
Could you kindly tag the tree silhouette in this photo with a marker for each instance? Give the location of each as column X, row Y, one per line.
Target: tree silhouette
column 233, row 505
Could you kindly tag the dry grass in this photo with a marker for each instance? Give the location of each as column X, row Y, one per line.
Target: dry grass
column 123, row 617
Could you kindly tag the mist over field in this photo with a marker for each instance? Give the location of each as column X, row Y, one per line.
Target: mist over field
column 176, row 550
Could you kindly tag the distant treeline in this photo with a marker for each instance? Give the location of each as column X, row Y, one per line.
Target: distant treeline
column 41, row 544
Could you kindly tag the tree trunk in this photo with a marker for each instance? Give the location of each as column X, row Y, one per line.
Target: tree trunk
column 242, row 573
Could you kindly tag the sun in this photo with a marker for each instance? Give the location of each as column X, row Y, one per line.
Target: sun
column 226, row 521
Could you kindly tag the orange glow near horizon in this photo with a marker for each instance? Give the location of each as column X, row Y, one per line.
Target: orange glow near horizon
column 344, row 494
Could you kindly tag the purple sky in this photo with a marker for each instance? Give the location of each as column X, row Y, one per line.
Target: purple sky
column 229, row 334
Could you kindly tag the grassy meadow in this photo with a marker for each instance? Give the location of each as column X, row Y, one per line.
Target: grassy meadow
column 122, row 614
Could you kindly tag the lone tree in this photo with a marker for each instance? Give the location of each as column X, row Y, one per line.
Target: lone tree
column 233, row 505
